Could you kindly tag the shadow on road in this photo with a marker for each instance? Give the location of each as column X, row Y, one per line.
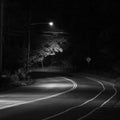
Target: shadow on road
column 35, row 75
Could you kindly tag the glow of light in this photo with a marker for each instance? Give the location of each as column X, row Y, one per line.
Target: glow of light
column 51, row 23
column 54, row 85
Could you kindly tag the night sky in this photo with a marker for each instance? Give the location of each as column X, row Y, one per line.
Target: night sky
column 93, row 26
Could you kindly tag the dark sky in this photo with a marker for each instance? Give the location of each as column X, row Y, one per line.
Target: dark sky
column 93, row 25
column 74, row 16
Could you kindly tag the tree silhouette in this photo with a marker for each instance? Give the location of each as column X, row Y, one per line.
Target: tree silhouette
column 50, row 45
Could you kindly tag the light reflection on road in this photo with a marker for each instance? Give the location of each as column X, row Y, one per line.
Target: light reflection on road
column 55, row 85
column 20, row 96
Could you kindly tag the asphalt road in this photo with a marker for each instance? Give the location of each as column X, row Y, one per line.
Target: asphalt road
column 62, row 98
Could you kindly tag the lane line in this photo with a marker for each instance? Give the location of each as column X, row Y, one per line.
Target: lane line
column 91, row 112
column 71, row 108
column 48, row 97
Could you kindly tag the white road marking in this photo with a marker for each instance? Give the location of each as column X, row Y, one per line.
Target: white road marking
column 51, row 96
column 60, row 113
column 91, row 112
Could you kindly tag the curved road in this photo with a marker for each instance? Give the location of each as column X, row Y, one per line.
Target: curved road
column 61, row 98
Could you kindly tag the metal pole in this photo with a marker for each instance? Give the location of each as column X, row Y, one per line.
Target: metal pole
column 28, row 47
column 1, row 34
column 42, row 64
column 28, row 55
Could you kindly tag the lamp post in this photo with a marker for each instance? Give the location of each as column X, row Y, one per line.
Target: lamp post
column 51, row 24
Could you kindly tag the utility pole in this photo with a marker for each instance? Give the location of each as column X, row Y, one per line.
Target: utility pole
column 1, row 33
column 28, row 34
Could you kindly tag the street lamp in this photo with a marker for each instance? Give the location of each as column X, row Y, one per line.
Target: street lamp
column 41, row 23
column 51, row 24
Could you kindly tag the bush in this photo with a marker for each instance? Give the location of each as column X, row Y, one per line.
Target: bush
column 21, row 78
column 18, row 78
